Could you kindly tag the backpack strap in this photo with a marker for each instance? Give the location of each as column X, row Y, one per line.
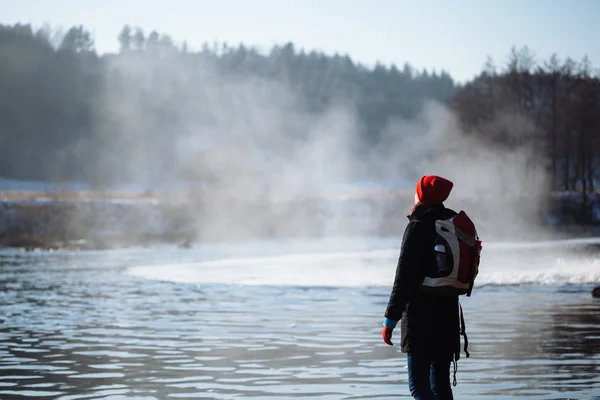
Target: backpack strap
column 454, row 363
column 464, row 334
column 462, row 329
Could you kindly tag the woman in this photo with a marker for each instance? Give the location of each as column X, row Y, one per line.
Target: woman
column 430, row 333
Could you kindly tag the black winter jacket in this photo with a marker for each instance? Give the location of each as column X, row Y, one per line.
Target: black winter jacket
column 429, row 323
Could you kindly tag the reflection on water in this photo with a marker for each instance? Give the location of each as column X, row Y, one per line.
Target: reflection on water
column 75, row 327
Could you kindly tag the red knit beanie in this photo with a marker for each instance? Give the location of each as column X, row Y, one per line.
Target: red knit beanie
column 432, row 189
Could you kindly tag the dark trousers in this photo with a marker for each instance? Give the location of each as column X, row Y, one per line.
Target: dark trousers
column 428, row 379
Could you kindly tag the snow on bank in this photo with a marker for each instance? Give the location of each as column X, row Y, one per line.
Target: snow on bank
column 364, row 209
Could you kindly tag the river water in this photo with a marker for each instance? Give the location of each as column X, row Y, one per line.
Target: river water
column 284, row 320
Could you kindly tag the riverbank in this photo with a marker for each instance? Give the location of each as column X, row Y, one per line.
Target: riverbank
column 86, row 219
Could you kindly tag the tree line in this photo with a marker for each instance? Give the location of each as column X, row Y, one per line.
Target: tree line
column 55, row 90
column 552, row 108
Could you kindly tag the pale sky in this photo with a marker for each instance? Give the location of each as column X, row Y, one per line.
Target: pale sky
column 443, row 34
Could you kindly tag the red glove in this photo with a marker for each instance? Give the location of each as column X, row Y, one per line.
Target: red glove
column 387, row 335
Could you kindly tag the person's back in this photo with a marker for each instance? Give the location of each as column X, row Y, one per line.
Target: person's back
column 430, row 329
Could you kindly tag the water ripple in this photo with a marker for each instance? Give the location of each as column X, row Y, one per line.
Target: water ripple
column 75, row 327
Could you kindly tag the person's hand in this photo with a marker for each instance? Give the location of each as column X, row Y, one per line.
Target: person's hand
column 387, row 335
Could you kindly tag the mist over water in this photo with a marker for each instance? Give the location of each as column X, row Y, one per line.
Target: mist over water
column 232, row 148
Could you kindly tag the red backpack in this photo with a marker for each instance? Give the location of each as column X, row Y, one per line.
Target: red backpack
column 458, row 251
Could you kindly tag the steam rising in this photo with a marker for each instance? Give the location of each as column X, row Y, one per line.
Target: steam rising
column 233, row 149
column 500, row 187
